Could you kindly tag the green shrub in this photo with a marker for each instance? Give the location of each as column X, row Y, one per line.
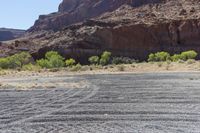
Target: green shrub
column 176, row 57
column 190, row 61
column 159, row 56
column 184, row 56
column 105, row 58
column 49, row 54
column 70, row 62
column 52, row 60
column 4, row 63
column 31, row 67
column 77, row 67
column 188, row 55
column 151, row 58
column 24, row 58
column 122, row 60
column 56, row 61
column 103, row 62
column 44, row 63
column 94, row 60
column 162, row 56
column 15, row 61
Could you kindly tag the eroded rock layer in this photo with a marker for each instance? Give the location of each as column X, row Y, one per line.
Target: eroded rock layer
column 172, row 26
column 73, row 11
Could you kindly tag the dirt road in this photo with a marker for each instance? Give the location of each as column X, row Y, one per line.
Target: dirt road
column 125, row 103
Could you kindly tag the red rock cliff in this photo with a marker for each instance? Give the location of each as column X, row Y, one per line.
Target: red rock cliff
column 73, row 11
column 172, row 26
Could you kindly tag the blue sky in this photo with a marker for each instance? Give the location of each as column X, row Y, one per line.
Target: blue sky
column 21, row 14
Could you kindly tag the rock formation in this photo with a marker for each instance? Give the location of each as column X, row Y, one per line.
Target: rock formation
column 9, row 34
column 170, row 25
column 73, row 11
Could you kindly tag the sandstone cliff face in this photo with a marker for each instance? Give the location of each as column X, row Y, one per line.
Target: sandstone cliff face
column 172, row 26
column 73, row 11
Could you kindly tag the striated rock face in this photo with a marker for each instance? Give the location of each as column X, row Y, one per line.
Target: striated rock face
column 73, row 11
column 172, row 26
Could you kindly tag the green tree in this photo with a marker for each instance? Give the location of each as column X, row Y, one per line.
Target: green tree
column 4, row 63
column 52, row 60
column 105, row 58
column 94, row 60
column 44, row 63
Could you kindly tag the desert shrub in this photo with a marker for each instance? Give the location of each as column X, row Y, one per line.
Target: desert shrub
column 86, row 68
column 184, row 56
column 105, row 58
column 24, row 58
column 188, row 55
column 162, row 56
column 190, row 61
column 4, row 63
column 49, row 54
column 159, row 56
column 151, row 57
column 31, row 67
column 120, row 68
column 94, row 60
column 181, row 61
column 44, row 63
column 122, row 60
column 70, row 62
column 168, row 62
column 77, row 67
column 103, row 62
column 176, row 57
column 52, row 60
column 56, row 61
column 15, row 61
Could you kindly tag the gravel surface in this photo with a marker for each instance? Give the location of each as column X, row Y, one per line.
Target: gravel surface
column 125, row 103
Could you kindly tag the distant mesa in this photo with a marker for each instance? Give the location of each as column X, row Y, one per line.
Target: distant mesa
column 10, row 34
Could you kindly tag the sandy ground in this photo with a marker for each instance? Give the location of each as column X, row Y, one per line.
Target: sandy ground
column 193, row 66
column 13, row 78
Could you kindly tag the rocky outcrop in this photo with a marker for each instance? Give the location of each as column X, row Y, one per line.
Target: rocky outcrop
column 172, row 26
column 9, row 34
column 73, row 11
